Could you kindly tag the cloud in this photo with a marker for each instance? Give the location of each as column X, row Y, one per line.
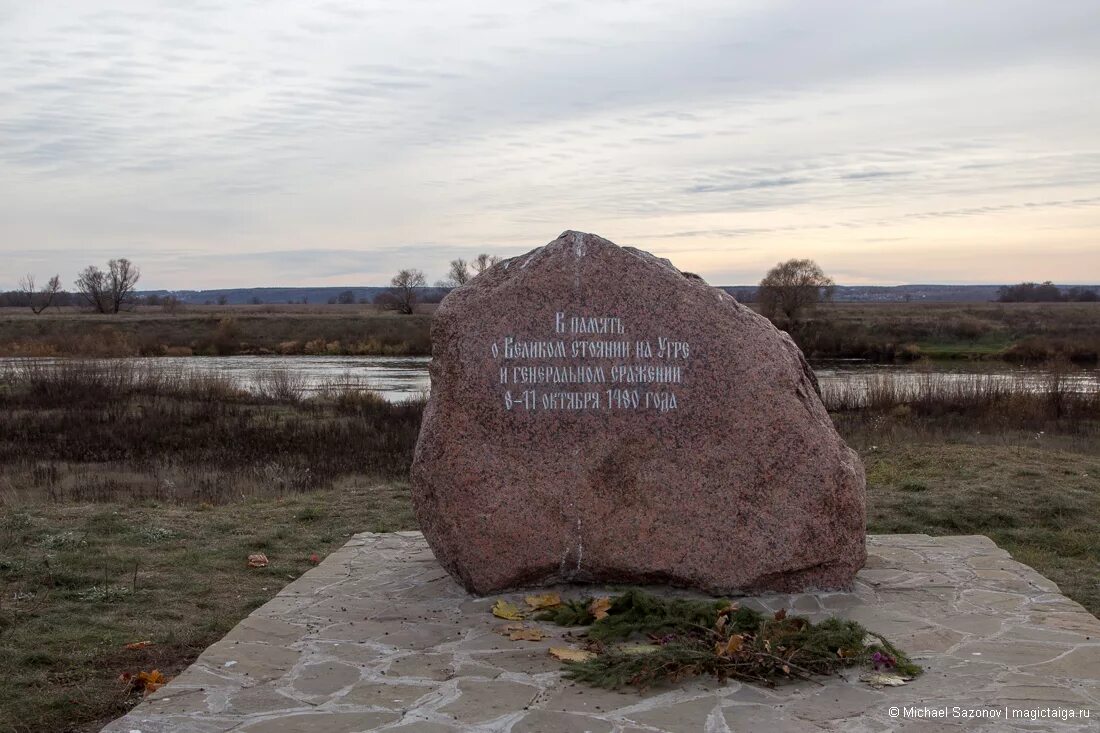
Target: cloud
column 224, row 128
column 745, row 185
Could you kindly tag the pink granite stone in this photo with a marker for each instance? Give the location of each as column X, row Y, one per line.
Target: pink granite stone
column 598, row 416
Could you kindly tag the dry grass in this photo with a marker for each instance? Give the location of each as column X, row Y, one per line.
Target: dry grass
column 992, row 401
column 1019, row 331
column 215, row 330
column 81, row 580
column 107, row 469
column 1037, row 495
column 881, row 331
column 130, row 499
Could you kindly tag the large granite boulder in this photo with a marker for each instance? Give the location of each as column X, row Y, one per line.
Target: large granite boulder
column 596, row 415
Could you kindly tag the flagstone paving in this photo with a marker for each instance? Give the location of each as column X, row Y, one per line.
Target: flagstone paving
column 379, row 637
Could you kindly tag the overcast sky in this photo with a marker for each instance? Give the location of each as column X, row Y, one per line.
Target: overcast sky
column 235, row 143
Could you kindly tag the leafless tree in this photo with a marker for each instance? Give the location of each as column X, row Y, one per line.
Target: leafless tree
column 483, row 262
column 40, row 300
column 402, row 294
column 459, row 274
column 791, row 288
column 122, row 278
column 91, row 286
column 108, row 291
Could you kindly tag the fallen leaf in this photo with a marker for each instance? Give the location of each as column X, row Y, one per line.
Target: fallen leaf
column 139, row 644
column 259, row 560
column 505, row 610
column 315, row 558
column 730, row 646
column 568, row 654
column 599, row 607
column 527, row 634
column 781, row 614
column 543, row 600
column 731, row 608
column 145, row 681
column 720, row 623
column 878, row 681
column 639, row 648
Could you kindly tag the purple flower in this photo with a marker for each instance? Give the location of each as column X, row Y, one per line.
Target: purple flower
column 882, row 661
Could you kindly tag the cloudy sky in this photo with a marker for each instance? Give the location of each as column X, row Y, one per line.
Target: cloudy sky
column 244, row 143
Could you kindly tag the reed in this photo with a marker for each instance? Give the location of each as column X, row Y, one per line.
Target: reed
column 111, row 430
column 1019, row 401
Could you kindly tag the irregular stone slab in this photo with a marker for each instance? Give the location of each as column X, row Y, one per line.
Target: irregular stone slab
column 1023, row 659
column 596, row 415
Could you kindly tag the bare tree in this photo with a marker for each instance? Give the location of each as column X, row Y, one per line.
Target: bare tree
column 122, row 278
column 791, row 288
column 40, row 300
column 108, row 291
column 483, row 262
column 402, row 294
column 459, row 274
column 91, row 286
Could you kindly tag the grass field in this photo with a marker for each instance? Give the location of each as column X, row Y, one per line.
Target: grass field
column 129, row 505
column 1015, row 331
column 216, row 331
column 878, row 331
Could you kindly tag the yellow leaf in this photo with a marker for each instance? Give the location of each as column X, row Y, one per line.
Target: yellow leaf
column 505, row 610
column 527, row 634
column 543, row 600
column 639, row 648
column 599, row 607
column 730, row 646
column 149, row 681
column 568, row 654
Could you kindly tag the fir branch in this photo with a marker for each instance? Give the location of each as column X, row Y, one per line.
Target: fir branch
column 695, row 637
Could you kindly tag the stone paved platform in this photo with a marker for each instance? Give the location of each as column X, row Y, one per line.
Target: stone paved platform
column 378, row 637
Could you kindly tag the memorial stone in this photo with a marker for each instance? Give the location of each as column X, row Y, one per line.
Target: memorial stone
column 596, row 415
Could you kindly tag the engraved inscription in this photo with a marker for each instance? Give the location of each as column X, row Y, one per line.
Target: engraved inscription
column 626, row 373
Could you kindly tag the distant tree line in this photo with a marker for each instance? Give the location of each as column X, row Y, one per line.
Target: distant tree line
column 1045, row 292
column 107, row 290
column 114, row 289
column 407, row 286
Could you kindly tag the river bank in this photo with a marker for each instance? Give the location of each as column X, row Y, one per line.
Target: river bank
column 880, row 332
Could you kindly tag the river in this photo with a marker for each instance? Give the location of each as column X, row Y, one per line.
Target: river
column 397, row 378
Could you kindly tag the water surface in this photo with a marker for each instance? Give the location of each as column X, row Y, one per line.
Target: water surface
column 401, row 377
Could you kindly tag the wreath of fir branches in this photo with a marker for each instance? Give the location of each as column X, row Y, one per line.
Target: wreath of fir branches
column 676, row 638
